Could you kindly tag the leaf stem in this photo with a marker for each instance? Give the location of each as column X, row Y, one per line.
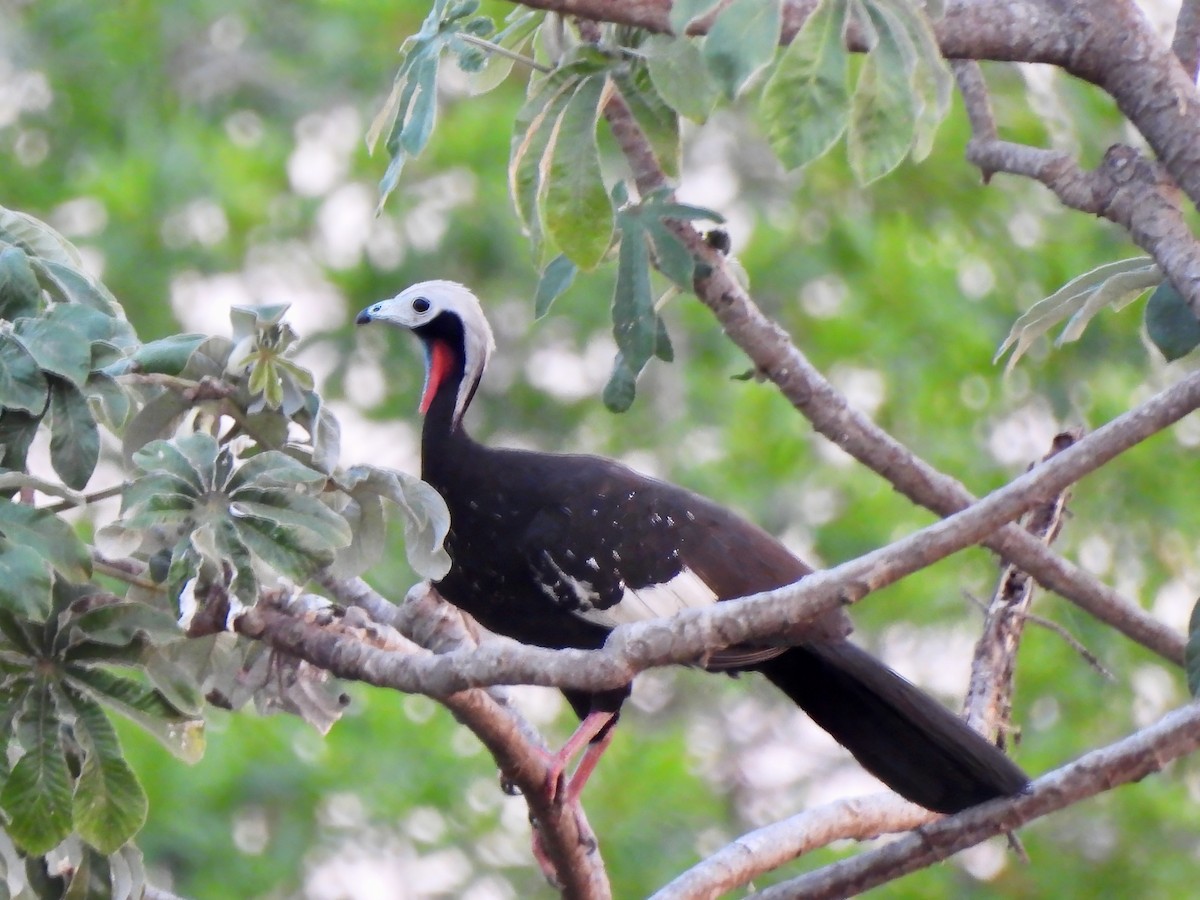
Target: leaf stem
column 84, row 500
column 491, row 47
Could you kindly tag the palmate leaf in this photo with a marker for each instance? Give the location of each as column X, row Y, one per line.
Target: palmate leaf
column 575, row 208
column 166, row 356
column 741, row 41
column 37, row 793
column 117, row 625
column 109, row 804
column 806, row 102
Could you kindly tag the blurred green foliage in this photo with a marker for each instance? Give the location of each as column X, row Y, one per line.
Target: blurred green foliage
column 189, row 146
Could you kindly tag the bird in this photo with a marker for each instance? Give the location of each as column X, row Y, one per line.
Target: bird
column 557, row 550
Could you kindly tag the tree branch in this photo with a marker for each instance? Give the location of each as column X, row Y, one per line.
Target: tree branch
column 1130, row 759
column 988, row 707
column 352, row 650
column 777, row 358
column 690, row 635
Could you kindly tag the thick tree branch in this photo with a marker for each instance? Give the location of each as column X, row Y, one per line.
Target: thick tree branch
column 776, row 357
column 342, row 648
column 1128, row 760
column 690, row 635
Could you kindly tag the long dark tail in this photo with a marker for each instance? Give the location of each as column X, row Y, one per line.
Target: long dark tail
column 898, row 733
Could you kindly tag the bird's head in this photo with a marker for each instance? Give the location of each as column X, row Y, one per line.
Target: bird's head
column 450, row 323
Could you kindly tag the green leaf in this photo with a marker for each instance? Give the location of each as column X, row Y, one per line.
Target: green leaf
column 17, row 431
column 532, row 131
column 684, row 11
column 741, row 41
column 1170, row 322
column 37, row 794
column 556, row 278
column 424, row 514
column 37, row 238
column 294, row 511
column 633, row 304
column 57, row 347
column 671, row 255
column 1191, row 653
column 1117, row 292
column 364, row 514
column 883, row 109
column 621, row 387
column 110, row 400
column 681, row 76
column 74, row 437
column 24, row 581
column 118, row 624
column 520, row 28
column 52, row 538
column 202, row 452
column 273, row 468
column 22, row 384
column 576, row 211
column 109, row 804
column 288, row 550
column 1071, row 298
column 19, row 291
column 167, row 356
column 324, row 431
column 806, row 103
column 658, row 121
column 68, row 285
column 180, row 733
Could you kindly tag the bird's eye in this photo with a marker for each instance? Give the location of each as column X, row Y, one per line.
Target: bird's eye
column 421, row 305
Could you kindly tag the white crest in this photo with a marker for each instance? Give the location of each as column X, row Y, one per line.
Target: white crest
column 423, row 302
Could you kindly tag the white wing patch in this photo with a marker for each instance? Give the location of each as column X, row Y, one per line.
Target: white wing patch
column 684, row 591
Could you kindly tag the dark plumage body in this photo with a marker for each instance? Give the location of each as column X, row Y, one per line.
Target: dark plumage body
column 555, row 550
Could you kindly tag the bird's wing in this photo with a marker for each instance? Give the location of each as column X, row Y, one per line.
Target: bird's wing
column 626, row 548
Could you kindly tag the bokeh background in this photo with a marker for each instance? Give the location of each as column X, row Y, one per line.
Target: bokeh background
column 204, row 154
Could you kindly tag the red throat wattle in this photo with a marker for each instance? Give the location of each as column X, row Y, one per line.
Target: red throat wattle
column 438, row 365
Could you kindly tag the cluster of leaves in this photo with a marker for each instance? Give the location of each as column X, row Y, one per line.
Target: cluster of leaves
column 575, row 218
column 231, row 487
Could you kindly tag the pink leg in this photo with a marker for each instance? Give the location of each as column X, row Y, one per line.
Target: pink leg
column 591, row 726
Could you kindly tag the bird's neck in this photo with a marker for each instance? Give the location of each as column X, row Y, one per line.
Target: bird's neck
column 443, row 439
